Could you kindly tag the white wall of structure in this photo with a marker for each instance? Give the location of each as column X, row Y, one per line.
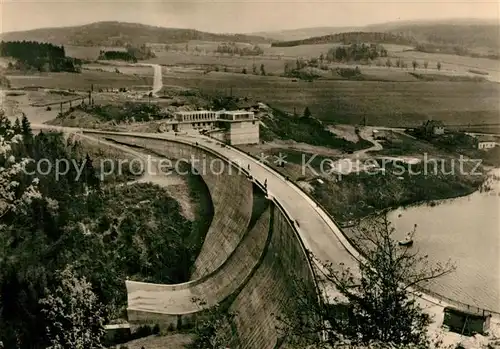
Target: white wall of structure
column 244, row 132
column 486, row 145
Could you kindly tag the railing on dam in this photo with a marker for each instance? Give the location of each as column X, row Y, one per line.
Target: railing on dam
column 439, row 297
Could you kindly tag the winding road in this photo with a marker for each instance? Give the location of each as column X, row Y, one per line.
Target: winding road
column 157, row 77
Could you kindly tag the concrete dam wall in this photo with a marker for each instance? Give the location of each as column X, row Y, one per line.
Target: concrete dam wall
column 273, row 288
column 264, row 259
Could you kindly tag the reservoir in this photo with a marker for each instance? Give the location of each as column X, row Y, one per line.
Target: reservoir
column 466, row 231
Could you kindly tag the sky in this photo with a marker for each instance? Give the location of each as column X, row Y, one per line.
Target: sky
column 243, row 16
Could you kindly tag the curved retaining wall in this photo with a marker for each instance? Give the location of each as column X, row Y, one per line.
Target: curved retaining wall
column 231, row 192
column 176, row 303
column 258, row 280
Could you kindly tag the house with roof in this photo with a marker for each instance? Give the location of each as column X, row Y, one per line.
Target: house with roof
column 433, row 128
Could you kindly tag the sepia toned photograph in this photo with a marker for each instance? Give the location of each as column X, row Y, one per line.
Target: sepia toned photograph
column 245, row 174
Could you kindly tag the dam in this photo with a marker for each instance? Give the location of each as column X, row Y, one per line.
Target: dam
column 251, row 260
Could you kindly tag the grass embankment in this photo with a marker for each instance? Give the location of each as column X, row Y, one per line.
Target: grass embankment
column 400, row 144
column 110, row 115
column 280, row 125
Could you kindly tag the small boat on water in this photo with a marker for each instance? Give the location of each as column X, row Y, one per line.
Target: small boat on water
column 406, row 242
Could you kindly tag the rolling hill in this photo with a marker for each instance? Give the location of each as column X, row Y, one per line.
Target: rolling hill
column 468, row 33
column 372, row 37
column 304, row 33
column 122, row 34
column 475, row 35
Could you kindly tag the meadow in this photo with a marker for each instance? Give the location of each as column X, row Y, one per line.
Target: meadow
column 122, row 68
column 170, row 58
column 387, row 103
column 452, row 63
column 78, row 82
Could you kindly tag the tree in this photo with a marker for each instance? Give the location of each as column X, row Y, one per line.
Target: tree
column 73, row 313
column 262, row 70
column 17, row 127
column 388, row 63
column 26, row 127
column 215, row 330
column 307, row 112
column 321, row 57
column 414, row 64
column 254, row 69
column 90, row 174
column 438, row 65
column 244, row 71
column 378, row 300
column 14, row 197
column 426, row 64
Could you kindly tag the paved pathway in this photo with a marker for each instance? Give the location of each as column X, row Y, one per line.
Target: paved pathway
column 157, row 77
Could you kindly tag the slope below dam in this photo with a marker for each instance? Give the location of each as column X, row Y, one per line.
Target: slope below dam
column 251, row 261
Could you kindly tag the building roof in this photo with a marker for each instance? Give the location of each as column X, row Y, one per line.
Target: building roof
column 434, row 123
column 235, row 112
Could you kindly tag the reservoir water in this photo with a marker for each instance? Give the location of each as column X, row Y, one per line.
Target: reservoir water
column 466, row 231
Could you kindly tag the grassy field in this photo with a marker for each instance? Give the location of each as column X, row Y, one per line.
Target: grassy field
column 451, row 63
column 348, row 102
column 80, row 82
column 306, row 51
column 273, row 66
column 122, row 68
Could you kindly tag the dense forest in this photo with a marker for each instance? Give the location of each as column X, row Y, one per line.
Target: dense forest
column 40, row 56
column 355, row 52
column 132, row 54
column 117, row 55
column 233, row 49
column 351, row 37
column 69, row 241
